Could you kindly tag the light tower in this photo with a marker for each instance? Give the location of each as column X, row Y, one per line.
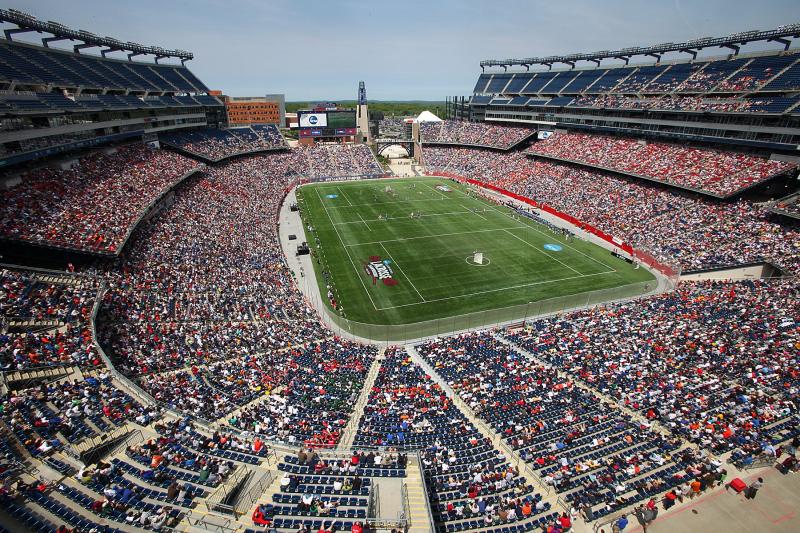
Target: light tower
column 362, row 115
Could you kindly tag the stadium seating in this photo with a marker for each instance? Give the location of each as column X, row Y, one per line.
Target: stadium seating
column 473, row 133
column 769, row 73
column 33, row 65
column 220, row 144
column 79, row 209
column 693, row 232
column 223, row 359
column 721, row 173
column 561, row 430
column 761, row 104
column 470, row 484
column 707, row 383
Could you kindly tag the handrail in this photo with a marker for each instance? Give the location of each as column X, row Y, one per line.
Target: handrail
column 203, row 523
column 406, row 513
column 223, row 491
column 431, row 523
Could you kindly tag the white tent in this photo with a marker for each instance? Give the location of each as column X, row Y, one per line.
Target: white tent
column 427, row 116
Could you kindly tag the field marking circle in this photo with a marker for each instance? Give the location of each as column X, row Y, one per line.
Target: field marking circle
column 473, row 263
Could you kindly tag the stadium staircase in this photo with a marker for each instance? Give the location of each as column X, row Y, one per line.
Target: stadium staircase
column 223, row 420
column 776, row 76
column 733, row 470
column 512, row 456
column 349, row 432
column 418, row 510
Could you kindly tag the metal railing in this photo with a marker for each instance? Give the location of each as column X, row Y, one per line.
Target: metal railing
column 388, row 333
column 431, row 523
column 202, row 522
column 374, row 505
column 256, row 490
column 218, row 499
column 406, row 513
column 102, row 445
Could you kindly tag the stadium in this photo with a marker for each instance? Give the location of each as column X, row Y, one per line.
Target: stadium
column 569, row 305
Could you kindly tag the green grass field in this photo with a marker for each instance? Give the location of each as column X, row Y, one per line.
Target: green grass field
column 360, row 227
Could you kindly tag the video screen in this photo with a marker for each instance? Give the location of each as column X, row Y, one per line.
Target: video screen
column 312, row 120
column 341, row 119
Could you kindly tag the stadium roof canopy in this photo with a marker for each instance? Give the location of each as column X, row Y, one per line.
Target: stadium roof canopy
column 781, row 34
column 27, row 23
column 427, row 116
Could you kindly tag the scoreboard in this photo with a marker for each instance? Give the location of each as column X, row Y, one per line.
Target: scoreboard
column 327, row 123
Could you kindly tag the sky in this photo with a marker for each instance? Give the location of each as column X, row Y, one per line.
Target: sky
column 402, row 50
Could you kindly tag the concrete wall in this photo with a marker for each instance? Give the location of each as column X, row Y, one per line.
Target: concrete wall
column 759, row 271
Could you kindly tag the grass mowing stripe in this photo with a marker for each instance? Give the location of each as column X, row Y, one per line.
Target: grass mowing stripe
column 542, row 252
column 395, row 263
column 358, row 273
column 432, row 236
column 430, row 253
column 499, row 289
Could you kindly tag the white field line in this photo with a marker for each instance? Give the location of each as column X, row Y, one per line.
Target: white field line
column 565, row 244
column 443, row 197
column 542, row 252
column 431, row 236
column 476, row 213
column 347, row 250
column 395, row 263
column 349, row 203
column 402, row 218
column 500, row 289
column 362, row 220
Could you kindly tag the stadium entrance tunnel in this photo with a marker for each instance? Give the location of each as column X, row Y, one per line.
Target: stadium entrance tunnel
column 389, row 147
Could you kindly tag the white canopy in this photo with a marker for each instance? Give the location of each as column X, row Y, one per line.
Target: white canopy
column 427, row 116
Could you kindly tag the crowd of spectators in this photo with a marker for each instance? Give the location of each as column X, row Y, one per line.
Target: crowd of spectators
column 23, row 296
column 202, row 302
column 46, row 417
column 470, row 483
column 714, row 362
column 690, row 231
column 577, row 443
column 502, row 169
column 204, row 299
column 317, row 393
column 473, row 133
column 217, row 144
column 94, row 205
column 57, row 316
column 182, row 434
column 677, row 103
column 120, row 499
column 712, row 171
column 337, row 161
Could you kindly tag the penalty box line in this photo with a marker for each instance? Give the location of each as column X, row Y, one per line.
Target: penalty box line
column 497, row 290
